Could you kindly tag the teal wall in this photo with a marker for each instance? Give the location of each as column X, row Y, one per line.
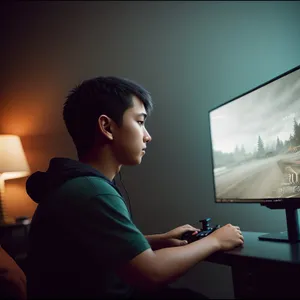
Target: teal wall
column 191, row 55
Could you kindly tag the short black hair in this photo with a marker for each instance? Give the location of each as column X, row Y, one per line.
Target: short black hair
column 86, row 102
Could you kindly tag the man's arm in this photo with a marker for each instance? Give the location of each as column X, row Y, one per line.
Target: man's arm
column 151, row 269
column 154, row 268
column 156, row 241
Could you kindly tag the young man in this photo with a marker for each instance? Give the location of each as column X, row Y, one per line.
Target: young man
column 83, row 242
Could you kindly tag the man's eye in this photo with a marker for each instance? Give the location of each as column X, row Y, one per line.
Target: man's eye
column 141, row 122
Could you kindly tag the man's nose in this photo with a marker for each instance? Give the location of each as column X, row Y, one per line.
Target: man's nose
column 147, row 137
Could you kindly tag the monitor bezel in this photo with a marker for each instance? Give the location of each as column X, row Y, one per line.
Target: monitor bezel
column 251, row 200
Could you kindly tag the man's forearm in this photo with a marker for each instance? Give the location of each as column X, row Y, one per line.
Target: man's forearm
column 156, row 241
column 152, row 269
column 173, row 262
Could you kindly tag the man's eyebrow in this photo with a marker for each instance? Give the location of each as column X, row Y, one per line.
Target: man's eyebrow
column 143, row 115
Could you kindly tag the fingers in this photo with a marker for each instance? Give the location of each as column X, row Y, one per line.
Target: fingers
column 241, row 237
column 238, row 229
column 189, row 227
column 177, row 242
column 240, row 233
column 182, row 243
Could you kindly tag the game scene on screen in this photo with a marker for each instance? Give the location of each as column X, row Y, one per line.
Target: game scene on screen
column 256, row 143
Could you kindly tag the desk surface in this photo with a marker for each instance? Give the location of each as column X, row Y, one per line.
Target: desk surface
column 254, row 248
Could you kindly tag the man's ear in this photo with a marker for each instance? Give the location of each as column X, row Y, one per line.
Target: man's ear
column 105, row 126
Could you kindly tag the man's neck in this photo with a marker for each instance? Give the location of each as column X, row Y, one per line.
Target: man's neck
column 104, row 162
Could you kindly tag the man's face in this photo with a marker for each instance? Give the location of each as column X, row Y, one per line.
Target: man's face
column 130, row 139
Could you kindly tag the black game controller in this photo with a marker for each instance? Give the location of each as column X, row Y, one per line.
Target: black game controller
column 192, row 236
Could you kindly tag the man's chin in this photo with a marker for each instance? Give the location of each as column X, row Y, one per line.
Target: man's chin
column 135, row 162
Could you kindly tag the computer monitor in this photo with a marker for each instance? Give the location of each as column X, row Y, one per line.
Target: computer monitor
column 255, row 144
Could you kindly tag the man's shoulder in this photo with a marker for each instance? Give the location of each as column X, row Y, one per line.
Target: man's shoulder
column 84, row 195
column 90, row 186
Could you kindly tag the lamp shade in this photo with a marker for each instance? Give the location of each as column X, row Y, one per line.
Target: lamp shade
column 13, row 162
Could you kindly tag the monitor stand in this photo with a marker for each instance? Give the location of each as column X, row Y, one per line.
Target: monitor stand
column 292, row 234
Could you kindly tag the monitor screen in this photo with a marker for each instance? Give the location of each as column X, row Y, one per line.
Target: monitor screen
column 255, row 143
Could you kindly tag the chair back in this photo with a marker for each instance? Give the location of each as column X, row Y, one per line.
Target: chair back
column 12, row 278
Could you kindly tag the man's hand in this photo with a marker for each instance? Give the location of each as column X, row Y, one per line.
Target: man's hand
column 228, row 237
column 172, row 237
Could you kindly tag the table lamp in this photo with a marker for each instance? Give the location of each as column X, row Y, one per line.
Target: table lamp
column 13, row 164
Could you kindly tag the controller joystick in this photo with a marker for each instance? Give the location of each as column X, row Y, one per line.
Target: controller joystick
column 206, row 229
column 205, row 224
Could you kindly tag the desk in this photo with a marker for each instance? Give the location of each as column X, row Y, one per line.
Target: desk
column 263, row 269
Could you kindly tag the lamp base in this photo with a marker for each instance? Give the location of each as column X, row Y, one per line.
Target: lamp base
column 4, row 218
column 7, row 220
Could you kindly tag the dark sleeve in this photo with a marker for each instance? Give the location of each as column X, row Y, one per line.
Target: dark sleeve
column 109, row 232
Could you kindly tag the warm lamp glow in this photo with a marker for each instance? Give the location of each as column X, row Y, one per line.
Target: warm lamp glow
column 13, row 164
